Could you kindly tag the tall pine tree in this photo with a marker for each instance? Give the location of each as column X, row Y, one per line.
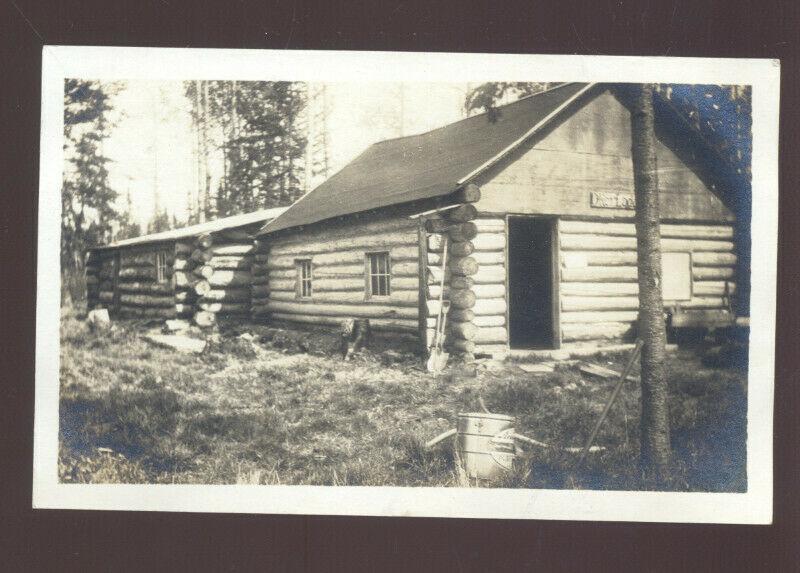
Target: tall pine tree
column 87, row 199
column 255, row 127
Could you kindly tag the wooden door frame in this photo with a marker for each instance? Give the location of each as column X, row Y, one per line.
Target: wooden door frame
column 555, row 276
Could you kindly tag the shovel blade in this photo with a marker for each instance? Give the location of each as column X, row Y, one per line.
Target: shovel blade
column 437, row 361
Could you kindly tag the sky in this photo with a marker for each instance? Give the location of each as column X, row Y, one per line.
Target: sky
column 151, row 146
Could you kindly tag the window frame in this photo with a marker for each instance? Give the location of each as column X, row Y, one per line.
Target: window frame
column 303, row 281
column 369, row 275
column 161, row 266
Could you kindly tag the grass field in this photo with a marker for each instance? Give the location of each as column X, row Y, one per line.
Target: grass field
column 268, row 412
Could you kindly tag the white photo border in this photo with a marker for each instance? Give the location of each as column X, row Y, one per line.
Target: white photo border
column 116, row 63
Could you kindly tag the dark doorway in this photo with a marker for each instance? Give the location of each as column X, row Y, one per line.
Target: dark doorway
column 531, row 310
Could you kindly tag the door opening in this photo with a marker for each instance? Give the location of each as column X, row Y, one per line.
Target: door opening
column 531, row 284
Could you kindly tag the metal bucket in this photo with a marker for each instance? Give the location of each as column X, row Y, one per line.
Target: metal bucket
column 486, row 454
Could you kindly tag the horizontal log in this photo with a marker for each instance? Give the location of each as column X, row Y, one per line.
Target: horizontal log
column 470, row 193
column 490, row 274
column 435, row 243
column 203, row 241
column 140, row 312
column 574, row 303
column 204, row 318
column 598, row 331
column 185, row 296
column 704, row 302
column 629, row 229
column 225, row 307
column 461, row 249
column 261, row 257
column 259, row 291
column 490, row 242
column 610, row 243
column 461, row 214
column 461, row 345
column 257, row 269
column 231, row 262
column 489, row 225
column 491, row 335
column 489, row 290
column 357, row 227
column 461, row 315
column 578, row 259
column 201, row 257
column 491, row 349
column 230, row 278
column 599, row 289
column 146, row 287
column 600, row 274
column 343, row 310
column 183, row 250
column 404, row 298
column 716, row 288
column 463, row 232
column 490, row 320
column 590, row 317
column 378, row 324
column 359, row 284
column 464, row 266
column 260, row 280
column 712, row 273
column 400, row 253
column 490, row 257
column 143, row 259
column 106, row 297
column 146, row 300
column 183, row 264
column 462, row 330
column 203, row 271
column 713, row 259
column 233, row 249
column 182, row 309
column 461, row 298
column 91, row 280
column 227, row 295
column 138, row 273
column 372, row 242
column 489, row 306
column 437, row 225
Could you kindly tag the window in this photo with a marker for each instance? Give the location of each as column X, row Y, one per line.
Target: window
column 378, row 275
column 161, row 266
column 303, row 269
column 676, row 276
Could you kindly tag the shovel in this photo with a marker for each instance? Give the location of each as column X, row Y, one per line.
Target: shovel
column 438, row 358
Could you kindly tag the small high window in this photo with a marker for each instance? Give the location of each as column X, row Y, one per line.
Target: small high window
column 378, row 275
column 304, row 277
column 161, row 266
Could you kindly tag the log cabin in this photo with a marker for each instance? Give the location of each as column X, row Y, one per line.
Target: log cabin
column 201, row 272
column 536, row 206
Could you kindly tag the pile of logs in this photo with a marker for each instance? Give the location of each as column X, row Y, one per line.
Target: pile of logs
column 213, row 277
column 457, row 225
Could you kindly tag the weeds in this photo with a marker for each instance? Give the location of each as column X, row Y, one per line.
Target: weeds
column 266, row 412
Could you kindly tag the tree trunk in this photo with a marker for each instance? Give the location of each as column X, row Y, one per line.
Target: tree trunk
column 655, row 441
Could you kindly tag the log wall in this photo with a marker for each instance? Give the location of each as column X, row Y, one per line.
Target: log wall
column 139, row 293
column 599, row 289
column 339, row 271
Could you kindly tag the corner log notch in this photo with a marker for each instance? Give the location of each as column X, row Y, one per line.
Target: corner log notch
column 454, row 225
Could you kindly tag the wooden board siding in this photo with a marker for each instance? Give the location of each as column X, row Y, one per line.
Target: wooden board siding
column 589, row 152
column 599, row 290
column 339, row 270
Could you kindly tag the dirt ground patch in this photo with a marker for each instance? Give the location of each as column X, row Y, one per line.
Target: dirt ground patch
column 276, row 407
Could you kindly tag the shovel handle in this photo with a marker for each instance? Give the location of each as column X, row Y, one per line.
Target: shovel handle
column 439, row 438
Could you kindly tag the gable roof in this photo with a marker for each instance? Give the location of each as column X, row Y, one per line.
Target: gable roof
column 426, row 165
column 215, row 226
